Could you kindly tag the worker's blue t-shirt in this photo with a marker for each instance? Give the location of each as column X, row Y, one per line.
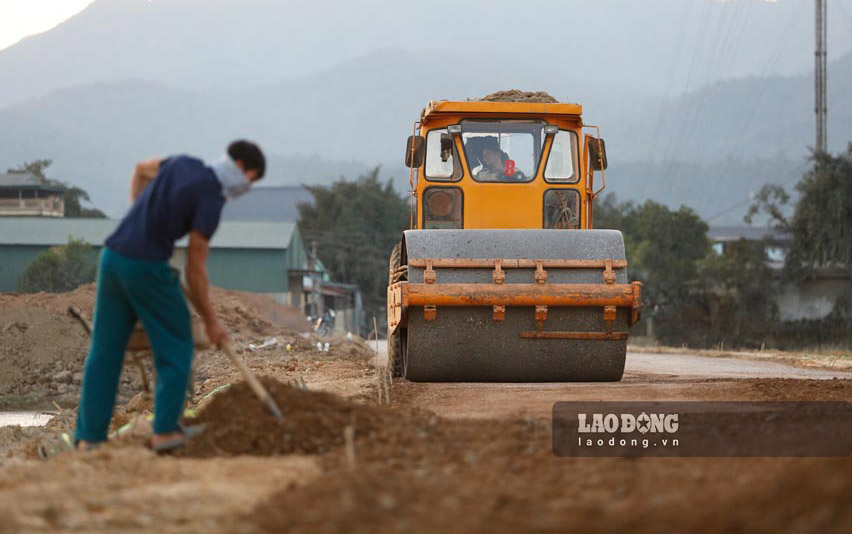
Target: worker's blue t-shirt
column 184, row 196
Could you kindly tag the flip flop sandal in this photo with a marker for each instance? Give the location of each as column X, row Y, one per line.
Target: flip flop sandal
column 187, row 433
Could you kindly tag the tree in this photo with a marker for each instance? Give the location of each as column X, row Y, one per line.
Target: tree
column 59, row 269
column 355, row 225
column 663, row 249
column 671, row 242
column 662, row 245
column 74, row 196
column 624, row 216
column 738, row 289
column 819, row 226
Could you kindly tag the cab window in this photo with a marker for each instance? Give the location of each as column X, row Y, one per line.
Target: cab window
column 561, row 163
column 439, row 165
column 502, row 151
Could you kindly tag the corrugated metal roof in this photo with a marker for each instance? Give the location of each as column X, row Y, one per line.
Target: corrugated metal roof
column 52, row 231
column 751, row 233
column 245, row 234
column 19, row 178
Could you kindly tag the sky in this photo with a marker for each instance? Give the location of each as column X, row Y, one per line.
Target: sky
column 20, row 18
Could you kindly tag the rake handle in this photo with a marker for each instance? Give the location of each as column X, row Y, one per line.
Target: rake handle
column 253, row 382
column 248, row 375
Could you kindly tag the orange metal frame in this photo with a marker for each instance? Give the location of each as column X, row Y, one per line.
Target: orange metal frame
column 516, row 205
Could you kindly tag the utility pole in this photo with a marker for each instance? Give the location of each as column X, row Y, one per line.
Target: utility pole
column 820, row 75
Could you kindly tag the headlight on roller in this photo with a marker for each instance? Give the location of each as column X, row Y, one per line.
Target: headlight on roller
column 442, row 208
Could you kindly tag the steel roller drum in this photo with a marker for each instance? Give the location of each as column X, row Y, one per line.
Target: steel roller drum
column 467, row 344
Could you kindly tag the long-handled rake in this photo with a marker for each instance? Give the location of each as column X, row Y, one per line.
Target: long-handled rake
column 247, row 373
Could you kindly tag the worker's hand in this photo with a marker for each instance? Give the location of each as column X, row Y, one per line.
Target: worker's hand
column 216, row 333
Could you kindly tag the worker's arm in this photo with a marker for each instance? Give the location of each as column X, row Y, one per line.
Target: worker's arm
column 143, row 173
column 196, row 277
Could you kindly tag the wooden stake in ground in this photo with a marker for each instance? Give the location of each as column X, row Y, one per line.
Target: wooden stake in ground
column 376, row 362
column 349, row 439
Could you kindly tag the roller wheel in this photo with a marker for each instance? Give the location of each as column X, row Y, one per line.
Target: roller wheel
column 395, row 365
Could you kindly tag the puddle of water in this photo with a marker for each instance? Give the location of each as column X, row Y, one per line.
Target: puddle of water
column 24, row 418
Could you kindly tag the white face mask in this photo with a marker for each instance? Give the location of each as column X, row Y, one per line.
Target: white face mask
column 233, row 180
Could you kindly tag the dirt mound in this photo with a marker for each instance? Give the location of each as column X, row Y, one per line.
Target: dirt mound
column 270, row 310
column 562, row 498
column 41, row 353
column 246, row 312
column 520, row 486
column 83, row 298
column 42, row 348
column 516, row 95
column 788, row 389
column 241, row 311
column 314, row 422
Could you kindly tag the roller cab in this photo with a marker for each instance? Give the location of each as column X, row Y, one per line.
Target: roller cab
column 501, row 277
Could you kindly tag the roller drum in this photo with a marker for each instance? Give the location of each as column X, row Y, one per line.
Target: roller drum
column 465, row 343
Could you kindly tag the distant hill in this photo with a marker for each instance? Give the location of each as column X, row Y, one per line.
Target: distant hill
column 743, row 118
column 265, row 203
column 655, row 47
column 337, row 122
column 707, row 149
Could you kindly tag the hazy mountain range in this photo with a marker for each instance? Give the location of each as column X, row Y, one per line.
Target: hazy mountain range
column 331, row 89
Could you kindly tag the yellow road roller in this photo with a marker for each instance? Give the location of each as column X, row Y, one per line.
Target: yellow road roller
column 501, row 277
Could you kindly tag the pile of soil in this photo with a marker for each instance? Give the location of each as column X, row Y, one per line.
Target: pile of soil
column 41, row 354
column 789, row 389
column 241, row 311
column 42, row 348
column 516, row 95
column 314, row 422
column 83, row 298
column 261, row 308
column 416, row 473
column 533, row 493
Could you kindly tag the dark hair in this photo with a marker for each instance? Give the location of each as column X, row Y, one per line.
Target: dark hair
column 250, row 154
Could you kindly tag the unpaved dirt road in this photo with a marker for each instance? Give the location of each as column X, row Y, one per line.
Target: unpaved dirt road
column 647, row 376
column 454, row 458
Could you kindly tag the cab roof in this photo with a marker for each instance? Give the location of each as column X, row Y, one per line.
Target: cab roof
column 442, row 107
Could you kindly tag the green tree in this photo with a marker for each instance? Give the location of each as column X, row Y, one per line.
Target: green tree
column 355, row 225
column 738, row 288
column 662, row 246
column 820, row 224
column 59, row 269
column 74, row 196
column 624, row 216
column 671, row 242
column 663, row 250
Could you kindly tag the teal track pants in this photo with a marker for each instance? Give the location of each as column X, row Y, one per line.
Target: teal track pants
column 129, row 289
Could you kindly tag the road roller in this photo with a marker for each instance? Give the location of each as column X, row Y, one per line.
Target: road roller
column 501, row 276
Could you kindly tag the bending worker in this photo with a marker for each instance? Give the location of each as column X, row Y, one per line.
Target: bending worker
column 171, row 197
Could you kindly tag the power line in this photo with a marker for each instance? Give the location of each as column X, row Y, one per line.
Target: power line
column 793, row 176
column 846, row 18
